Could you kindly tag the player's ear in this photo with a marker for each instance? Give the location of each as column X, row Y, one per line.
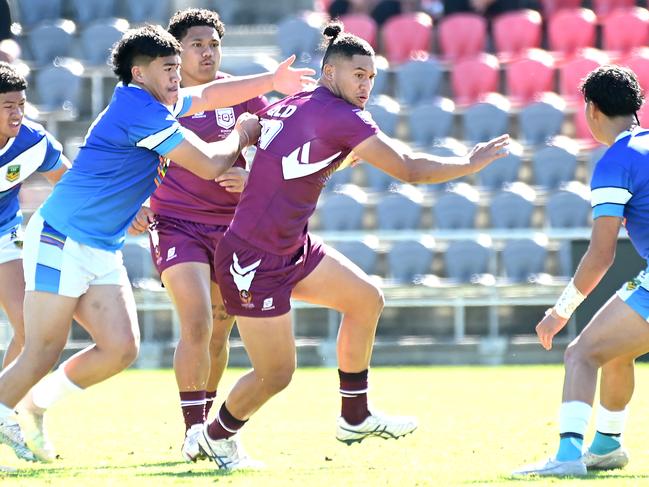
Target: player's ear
column 136, row 73
column 328, row 71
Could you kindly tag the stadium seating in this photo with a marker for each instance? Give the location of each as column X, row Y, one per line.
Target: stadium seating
column 406, row 35
column 52, row 39
column 604, row 7
column 59, row 87
column 245, row 65
column 462, row 36
column 429, row 122
column 375, row 179
column 515, row 32
column 570, row 30
column 573, row 71
column 98, row 38
column 502, row 171
column 297, row 35
column 466, row 260
column 554, row 164
column 362, row 25
column 523, row 259
column 473, row 78
column 513, row 206
column 361, row 253
column 381, row 81
column 86, row 11
column 574, row 196
column 148, row 11
column 408, row 260
column 625, row 29
column 530, row 75
column 137, row 260
column 638, row 61
column 552, row 6
column 338, row 178
column 543, row 119
column 400, row 209
column 343, row 209
column 385, row 112
column 485, row 120
column 31, row 12
column 418, row 81
column 457, row 207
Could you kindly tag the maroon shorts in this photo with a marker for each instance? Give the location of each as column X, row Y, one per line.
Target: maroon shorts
column 257, row 283
column 174, row 241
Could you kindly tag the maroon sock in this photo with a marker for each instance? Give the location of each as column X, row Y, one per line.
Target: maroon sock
column 224, row 425
column 353, row 389
column 209, row 400
column 193, row 407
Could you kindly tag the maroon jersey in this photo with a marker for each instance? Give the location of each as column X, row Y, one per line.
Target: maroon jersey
column 304, row 138
column 184, row 195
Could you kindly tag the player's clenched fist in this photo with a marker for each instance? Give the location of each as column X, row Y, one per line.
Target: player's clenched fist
column 249, row 129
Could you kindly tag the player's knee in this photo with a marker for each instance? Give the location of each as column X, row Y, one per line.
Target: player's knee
column 125, row 348
column 580, row 353
column 196, row 332
column 278, row 379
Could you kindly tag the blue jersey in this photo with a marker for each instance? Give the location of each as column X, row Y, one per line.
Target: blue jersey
column 33, row 149
column 620, row 186
column 119, row 165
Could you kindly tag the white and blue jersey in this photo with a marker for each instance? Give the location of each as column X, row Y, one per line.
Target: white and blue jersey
column 32, row 150
column 119, row 165
column 620, row 188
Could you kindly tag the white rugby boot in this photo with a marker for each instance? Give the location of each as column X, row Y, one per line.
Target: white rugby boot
column 554, row 468
column 228, row 454
column 32, row 419
column 190, row 450
column 618, row 458
column 376, row 424
column 11, row 434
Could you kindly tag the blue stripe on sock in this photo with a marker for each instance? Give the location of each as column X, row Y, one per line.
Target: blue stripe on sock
column 603, row 444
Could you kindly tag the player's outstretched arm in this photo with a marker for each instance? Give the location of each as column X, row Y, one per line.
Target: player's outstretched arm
column 594, row 264
column 210, row 160
column 396, row 159
column 231, row 91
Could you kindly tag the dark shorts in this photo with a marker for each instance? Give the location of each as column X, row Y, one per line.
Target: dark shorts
column 175, row 241
column 257, row 283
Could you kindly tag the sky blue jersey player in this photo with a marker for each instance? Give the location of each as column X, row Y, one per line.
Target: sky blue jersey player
column 72, row 261
column 619, row 332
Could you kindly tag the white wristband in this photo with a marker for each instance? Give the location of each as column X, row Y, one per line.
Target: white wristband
column 567, row 303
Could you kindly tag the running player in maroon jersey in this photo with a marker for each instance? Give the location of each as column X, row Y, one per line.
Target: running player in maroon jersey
column 268, row 256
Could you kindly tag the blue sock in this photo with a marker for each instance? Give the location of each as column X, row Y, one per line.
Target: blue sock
column 603, row 444
column 570, row 447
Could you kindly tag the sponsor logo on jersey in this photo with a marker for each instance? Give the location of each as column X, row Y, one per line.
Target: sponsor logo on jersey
column 171, row 254
column 632, row 285
column 13, row 173
column 267, row 304
column 225, row 117
column 298, row 165
column 199, row 115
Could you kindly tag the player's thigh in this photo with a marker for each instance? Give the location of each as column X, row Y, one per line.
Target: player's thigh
column 188, row 285
column 48, row 318
column 338, row 283
column 269, row 343
column 109, row 315
column 12, row 292
column 615, row 331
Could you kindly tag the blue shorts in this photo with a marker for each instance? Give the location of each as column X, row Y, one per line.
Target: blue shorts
column 635, row 293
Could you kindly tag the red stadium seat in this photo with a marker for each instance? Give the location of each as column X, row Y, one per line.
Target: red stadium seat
column 625, row 29
column 572, row 72
column 638, row 61
column 462, row 36
column 570, row 30
column 472, row 78
column 361, row 25
column 530, row 76
column 405, row 35
column 550, row 7
column 605, row 7
column 514, row 32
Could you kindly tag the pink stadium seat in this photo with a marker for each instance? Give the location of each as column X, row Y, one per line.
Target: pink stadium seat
column 571, row 29
column 472, row 78
column 605, row 7
column 462, row 36
column 405, row 35
column 625, row 29
column 361, row 25
column 638, row 61
column 530, row 76
column 550, row 7
column 572, row 72
column 514, row 32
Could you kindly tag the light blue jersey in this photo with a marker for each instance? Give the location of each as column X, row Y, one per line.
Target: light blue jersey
column 33, row 149
column 119, row 165
column 620, row 186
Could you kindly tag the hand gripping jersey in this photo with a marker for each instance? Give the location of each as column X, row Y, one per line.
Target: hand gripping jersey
column 304, row 138
column 33, row 149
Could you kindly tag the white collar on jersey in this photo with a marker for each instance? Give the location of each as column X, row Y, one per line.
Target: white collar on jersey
column 631, row 131
column 9, row 143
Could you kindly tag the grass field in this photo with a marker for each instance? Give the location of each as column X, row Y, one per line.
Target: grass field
column 476, row 425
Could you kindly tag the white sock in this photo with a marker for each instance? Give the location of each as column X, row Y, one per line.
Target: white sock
column 611, row 422
column 5, row 412
column 52, row 388
column 574, row 417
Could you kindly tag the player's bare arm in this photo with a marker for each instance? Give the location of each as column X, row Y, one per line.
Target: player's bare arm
column 233, row 180
column 396, row 159
column 55, row 176
column 231, row 91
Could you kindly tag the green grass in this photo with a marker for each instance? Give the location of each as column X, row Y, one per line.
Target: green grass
column 476, row 425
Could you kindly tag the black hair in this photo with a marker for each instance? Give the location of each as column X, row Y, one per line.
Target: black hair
column 149, row 42
column 11, row 79
column 614, row 90
column 183, row 20
column 337, row 42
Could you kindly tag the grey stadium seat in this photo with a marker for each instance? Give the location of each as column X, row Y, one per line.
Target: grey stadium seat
column 385, row 112
column 376, row 179
column 524, row 258
column 339, row 178
column 431, row 121
column 456, row 208
column 513, row 207
column 60, row 86
column 51, row 39
column 360, row 253
column 153, row 11
column 86, row 11
column 465, row 260
column 553, row 165
column 31, row 12
column 542, row 120
column 418, row 81
column 485, row 120
column 409, row 259
column 569, row 207
column 295, row 35
column 137, row 260
column 504, row 170
column 98, row 38
column 400, row 209
column 343, row 210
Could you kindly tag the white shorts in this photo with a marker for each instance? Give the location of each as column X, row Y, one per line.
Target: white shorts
column 635, row 293
column 11, row 245
column 57, row 264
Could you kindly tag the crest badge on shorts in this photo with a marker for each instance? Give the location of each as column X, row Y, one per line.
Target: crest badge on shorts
column 225, row 117
column 13, row 173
